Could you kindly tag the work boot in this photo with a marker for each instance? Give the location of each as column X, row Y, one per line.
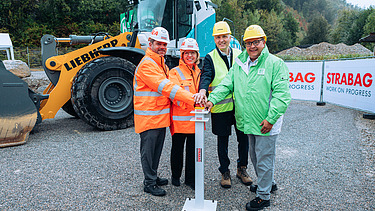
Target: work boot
column 257, row 204
column 176, row 181
column 225, row 180
column 154, row 190
column 243, row 176
column 253, row 188
column 161, row 181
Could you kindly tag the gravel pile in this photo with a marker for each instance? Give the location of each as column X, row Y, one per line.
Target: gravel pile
column 37, row 81
column 327, row 49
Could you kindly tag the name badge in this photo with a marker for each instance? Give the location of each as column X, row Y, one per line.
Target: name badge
column 261, row 71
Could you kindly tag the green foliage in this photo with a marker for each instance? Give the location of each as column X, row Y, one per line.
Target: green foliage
column 291, row 26
column 341, row 32
column 269, row 5
column 234, row 11
column 318, row 31
column 26, row 21
column 272, row 26
column 370, row 24
column 357, row 28
column 286, row 22
column 350, row 26
column 369, row 27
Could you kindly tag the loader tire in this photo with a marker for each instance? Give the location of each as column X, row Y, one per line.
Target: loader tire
column 102, row 93
column 68, row 108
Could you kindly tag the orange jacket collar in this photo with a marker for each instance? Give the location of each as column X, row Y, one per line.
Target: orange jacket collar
column 156, row 57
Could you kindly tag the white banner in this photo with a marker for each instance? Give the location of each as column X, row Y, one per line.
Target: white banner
column 350, row 83
column 305, row 80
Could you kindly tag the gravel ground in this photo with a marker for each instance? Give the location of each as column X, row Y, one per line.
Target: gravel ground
column 325, row 161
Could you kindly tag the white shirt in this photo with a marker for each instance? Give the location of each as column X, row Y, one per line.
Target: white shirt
column 228, row 56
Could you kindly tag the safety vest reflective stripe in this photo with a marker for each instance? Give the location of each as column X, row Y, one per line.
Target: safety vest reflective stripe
column 174, row 92
column 152, row 113
column 135, row 77
column 162, row 85
column 228, row 100
column 182, row 118
column 147, row 94
column 180, row 73
column 221, row 71
column 182, row 78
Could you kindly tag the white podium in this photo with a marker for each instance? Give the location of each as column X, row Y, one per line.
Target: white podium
column 199, row 203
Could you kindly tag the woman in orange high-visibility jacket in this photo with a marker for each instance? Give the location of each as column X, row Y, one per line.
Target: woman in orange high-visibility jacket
column 153, row 92
column 187, row 76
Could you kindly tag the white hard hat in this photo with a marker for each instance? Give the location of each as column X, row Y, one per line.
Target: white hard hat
column 160, row 34
column 189, row 44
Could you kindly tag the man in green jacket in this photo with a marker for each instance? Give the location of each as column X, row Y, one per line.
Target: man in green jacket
column 259, row 83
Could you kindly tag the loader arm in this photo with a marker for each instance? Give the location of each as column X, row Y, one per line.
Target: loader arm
column 62, row 69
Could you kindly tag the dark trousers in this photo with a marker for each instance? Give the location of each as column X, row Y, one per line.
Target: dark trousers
column 222, row 150
column 152, row 142
column 177, row 154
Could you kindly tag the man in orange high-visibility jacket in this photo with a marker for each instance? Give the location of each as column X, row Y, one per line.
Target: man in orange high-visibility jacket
column 153, row 92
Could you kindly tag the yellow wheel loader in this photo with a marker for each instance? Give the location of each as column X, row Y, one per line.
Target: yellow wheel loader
column 94, row 83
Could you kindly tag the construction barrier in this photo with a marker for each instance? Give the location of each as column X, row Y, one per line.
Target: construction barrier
column 345, row 82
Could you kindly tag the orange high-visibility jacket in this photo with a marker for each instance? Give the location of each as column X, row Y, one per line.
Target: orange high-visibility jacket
column 153, row 92
column 187, row 79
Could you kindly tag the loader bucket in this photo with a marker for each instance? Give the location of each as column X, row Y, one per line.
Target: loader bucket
column 18, row 113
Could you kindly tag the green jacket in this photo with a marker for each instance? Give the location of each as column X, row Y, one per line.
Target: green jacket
column 261, row 94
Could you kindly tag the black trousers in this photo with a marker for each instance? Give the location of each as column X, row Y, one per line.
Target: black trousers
column 177, row 154
column 152, row 142
column 222, row 150
column 222, row 127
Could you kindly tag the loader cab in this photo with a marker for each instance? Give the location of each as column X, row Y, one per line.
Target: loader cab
column 182, row 18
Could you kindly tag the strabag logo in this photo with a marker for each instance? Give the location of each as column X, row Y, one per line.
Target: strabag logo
column 76, row 62
column 349, row 79
column 302, row 78
column 356, row 83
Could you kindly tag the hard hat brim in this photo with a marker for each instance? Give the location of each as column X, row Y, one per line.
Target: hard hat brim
column 159, row 40
column 217, row 34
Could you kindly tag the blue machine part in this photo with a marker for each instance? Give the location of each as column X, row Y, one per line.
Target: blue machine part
column 204, row 35
column 234, row 43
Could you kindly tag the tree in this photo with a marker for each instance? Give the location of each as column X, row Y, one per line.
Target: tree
column 369, row 27
column 357, row 29
column 291, row 27
column 318, row 31
column 272, row 26
column 341, row 31
column 269, row 5
column 15, row 16
column 233, row 10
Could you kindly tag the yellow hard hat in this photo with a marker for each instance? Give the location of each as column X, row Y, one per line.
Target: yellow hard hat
column 254, row 31
column 220, row 28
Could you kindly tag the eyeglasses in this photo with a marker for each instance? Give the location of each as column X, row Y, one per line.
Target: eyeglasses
column 255, row 42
